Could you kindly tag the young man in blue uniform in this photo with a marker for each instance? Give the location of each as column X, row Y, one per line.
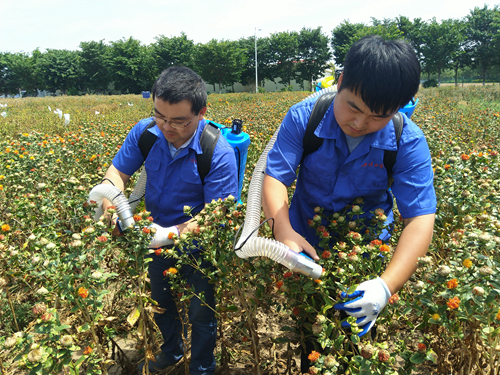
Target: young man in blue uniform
column 379, row 77
column 173, row 182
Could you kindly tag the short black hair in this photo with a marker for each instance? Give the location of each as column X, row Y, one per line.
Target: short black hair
column 179, row 83
column 384, row 73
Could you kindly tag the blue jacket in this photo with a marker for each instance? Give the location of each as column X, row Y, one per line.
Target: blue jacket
column 175, row 183
column 332, row 177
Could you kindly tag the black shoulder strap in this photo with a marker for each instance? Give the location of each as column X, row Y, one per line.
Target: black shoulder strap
column 311, row 142
column 208, row 140
column 390, row 156
column 147, row 140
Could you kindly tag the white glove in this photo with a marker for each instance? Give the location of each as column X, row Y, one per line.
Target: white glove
column 163, row 236
column 370, row 297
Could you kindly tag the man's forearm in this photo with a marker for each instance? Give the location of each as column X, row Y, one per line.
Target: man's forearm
column 275, row 203
column 413, row 243
column 114, row 177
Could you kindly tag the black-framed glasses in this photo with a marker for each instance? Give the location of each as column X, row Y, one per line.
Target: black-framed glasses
column 173, row 124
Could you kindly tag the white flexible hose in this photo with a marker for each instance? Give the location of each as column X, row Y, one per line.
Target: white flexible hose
column 117, row 199
column 139, row 189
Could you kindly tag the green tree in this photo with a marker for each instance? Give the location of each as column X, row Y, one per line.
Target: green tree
column 482, row 35
column 387, row 29
column 413, row 33
column 177, row 51
column 15, row 73
column 60, row 70
column 343, row 36
column 131, row 65
column 284, row 55
column 94, row 60
column 459, row 56
column 263, row 61
column 220, row 62
column 441, row 42
column 314, row 54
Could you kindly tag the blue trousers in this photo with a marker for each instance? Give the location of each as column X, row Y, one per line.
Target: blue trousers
column 202, row 318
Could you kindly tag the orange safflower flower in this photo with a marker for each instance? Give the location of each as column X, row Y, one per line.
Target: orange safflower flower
column 465, row 157
column 447, row 166
column 385, row 248
column 171, row 270
column 498, row 315
column 279, row 284
column 453, row 303
column 314, row 356
column 87, row 350
column 452, row 284
column 5, row 228
column 394, row 299
column 467, row 263
column 376, row 242
column 82, row 292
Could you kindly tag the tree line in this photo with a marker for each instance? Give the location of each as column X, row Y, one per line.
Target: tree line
column 129, row 66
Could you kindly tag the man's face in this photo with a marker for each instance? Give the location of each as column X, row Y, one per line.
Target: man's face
column 354, row 117
column 179, row 114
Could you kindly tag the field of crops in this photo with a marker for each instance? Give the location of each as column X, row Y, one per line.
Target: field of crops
column 70, row 293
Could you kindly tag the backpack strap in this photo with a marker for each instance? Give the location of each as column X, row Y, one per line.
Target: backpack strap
column 208, row 140
column 311, row 142
column 390, row 156
column 147, row 140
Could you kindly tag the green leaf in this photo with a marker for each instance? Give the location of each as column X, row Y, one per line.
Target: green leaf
column 232, row 308
column 418, row 358
column 488, row 330
column 84, row 328
column 63, row 327
column 326, row 308
column 339, row 341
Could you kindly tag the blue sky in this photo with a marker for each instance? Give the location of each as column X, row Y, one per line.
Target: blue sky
column 63, row 24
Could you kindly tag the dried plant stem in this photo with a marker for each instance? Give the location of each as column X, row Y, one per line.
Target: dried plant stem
column 11, row 307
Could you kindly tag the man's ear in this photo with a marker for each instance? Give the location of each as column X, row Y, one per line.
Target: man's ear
column 339, row 82
column 203, row 111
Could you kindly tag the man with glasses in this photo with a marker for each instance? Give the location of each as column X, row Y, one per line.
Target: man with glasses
column 179, row 97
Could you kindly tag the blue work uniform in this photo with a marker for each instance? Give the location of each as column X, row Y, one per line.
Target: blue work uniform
column 172, row 183
column 332, row 177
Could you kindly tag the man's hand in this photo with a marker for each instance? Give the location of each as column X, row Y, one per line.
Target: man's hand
column 163, row 236
column 369, row 300
column 296, row 242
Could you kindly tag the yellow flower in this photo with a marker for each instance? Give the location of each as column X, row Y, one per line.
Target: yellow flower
column 1, row 187
column 467, row 263
column 436, row 317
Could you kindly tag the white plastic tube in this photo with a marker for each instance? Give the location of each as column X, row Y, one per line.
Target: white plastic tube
column 117, row 198
column 139, row 190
